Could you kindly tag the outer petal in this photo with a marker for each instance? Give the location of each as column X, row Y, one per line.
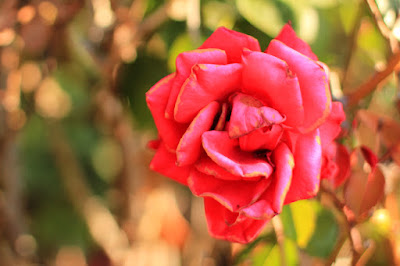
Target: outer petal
column 164, row 163
column 313, row 81
column 306, row 173
column 232, row 42
column 336, row 164
column 272, row 200
column 226, row 153
column 157, row 97
column 331, row 128
column 207, row 166
column 184, row 64
column 269, row 79
column 189, row 148
column 207, row 83
column 289, row 37
column 261, row 139
column 249, row 114
column 234, row 195
column 224, row 224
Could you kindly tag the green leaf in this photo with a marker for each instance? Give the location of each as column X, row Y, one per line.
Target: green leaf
column 258, row 250
column 288, row 224
column 325, row 235
column 304, row 213
column 265, row 15
column 290, row 254
column 217, row 14
column 181, row 44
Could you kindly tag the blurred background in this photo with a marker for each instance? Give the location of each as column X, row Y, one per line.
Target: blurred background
column 75, row 188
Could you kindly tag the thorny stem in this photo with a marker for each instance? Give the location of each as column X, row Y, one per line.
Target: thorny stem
column 352, row 45
column 383, row 28
column 280, row 237
column 370, row 84
column 349, row 227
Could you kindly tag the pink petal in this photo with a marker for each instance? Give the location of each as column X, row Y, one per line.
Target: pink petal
column 313, row 81
column 234, row 195
column 226, row 153
column 261, row 139
column 230, row 226
column 184, row 64
column 222, row 118
column 331, row 128
column 232, row 42
column 154, row 144
column 271, row 201
column 249, row 114
column 157, row 97
column 336, row 164
column 269, row 79
column 207, row 83
column 288, row 36
column 207, row 166
column 164, row 163
column 306, row 173
column 189, row 148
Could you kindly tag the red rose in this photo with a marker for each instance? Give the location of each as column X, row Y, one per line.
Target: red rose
column 335, row 157
column 241, row 127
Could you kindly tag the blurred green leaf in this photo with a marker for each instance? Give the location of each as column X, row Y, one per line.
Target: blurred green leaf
column 181, row 44
column 304, row 214
column 288, row 224
column 324, row 236
column 217, row 14
column 265, row 15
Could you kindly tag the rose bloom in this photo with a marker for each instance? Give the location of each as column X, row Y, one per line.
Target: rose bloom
column 244, row 129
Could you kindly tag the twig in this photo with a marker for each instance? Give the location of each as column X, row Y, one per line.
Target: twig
column 370, row 84
column 383, row 28
column 349, row 226
column 352, row 44
column 364, row 258
column 102, row 225
column 280, row 237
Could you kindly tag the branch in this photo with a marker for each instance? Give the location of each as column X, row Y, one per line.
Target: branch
column 349, row 227
column 101, row 223
column 383, row 28
column 368, row 86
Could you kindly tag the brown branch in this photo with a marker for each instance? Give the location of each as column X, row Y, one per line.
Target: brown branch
column 371, row 83
column 383, row 28
column 349, row 226
column 101, row 223
column 352, row 45
column 280, row 237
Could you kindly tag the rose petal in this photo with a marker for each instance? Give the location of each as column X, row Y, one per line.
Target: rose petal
column 157, row 97
column 230, row 226
column 234, row 195
column 207, row 166
column 269, row 79
column 189, row 147
column 336, row 164
column 232, row 42
column 261, row 139
column 164, row 163
column 271, row 201
column 222, row 118
column 207, row 83
column 306, row 173
column 288, row 36
column 249, row 114
column 313, row 81
column 331, row 128
column 184, row 64
column 226, row 153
